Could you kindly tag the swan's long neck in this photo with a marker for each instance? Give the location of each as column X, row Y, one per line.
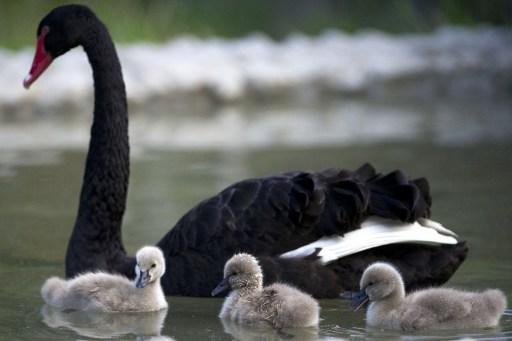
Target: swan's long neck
column 96, row 239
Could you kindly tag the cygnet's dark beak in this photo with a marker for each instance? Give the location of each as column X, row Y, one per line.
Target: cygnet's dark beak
column 221, row 287
column 359, row 300
column 142, row 279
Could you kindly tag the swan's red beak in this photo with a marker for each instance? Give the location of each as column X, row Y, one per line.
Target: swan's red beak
column 42, row 60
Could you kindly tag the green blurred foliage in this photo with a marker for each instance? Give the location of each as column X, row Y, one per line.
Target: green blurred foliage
column 158, row 20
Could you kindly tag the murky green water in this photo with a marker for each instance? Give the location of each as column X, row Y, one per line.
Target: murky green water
column 471, row 186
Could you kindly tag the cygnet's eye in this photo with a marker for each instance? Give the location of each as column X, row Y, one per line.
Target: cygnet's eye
column 371, row 283
column 153, row 265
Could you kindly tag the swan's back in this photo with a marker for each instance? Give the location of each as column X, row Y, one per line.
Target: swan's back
column 291, row 307
column 449, row 308
column 272, row 215
column 94, row 291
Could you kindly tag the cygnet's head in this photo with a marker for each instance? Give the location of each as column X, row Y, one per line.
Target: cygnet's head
column 150, row 265
column 379, row 281
column 241, row 271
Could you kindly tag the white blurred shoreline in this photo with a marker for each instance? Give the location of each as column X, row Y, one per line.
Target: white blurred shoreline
column 449, row 62
column 449, row 87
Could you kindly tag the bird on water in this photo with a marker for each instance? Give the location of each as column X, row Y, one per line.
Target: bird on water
column 316, row 230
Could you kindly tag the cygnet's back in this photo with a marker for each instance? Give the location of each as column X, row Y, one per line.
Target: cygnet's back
column 447, row 308
column 99, row 291
column 278, row 305
column 435, row 308
column 292, row 307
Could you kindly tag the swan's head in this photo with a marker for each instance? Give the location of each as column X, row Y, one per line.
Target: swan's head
column 379, row 282
column 150, row 265
column 241, row 271
column 58, row 32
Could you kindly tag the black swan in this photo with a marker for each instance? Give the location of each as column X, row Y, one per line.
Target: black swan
column 265, row 217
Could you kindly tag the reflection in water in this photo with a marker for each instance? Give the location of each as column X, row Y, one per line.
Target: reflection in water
column 371, row 333
column 368, row 333
column 238, row 127
column 106, row 325
column 332, row 122
column 248, row 333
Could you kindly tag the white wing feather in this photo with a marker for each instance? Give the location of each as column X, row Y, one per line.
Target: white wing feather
column 375, row 232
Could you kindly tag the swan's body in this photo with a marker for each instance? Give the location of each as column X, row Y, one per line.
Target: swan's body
column 278, row 305
column 98, row 291
column 435, row 308
column 266, row 217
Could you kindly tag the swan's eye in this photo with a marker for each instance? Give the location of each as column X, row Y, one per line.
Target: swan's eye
column 153, row 265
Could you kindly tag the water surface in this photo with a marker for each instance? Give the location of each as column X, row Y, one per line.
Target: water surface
column 39, row 191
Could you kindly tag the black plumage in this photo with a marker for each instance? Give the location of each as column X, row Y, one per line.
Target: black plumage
column 276, row 214
column 265, row 216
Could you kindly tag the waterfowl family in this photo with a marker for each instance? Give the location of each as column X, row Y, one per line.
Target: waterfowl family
column 278, row 305
column 268, row 217
column 434, row 308
column 104, row 292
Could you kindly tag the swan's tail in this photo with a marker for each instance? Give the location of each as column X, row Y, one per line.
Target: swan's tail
column 346, row 198
column 53, row 291
column 496, row 301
